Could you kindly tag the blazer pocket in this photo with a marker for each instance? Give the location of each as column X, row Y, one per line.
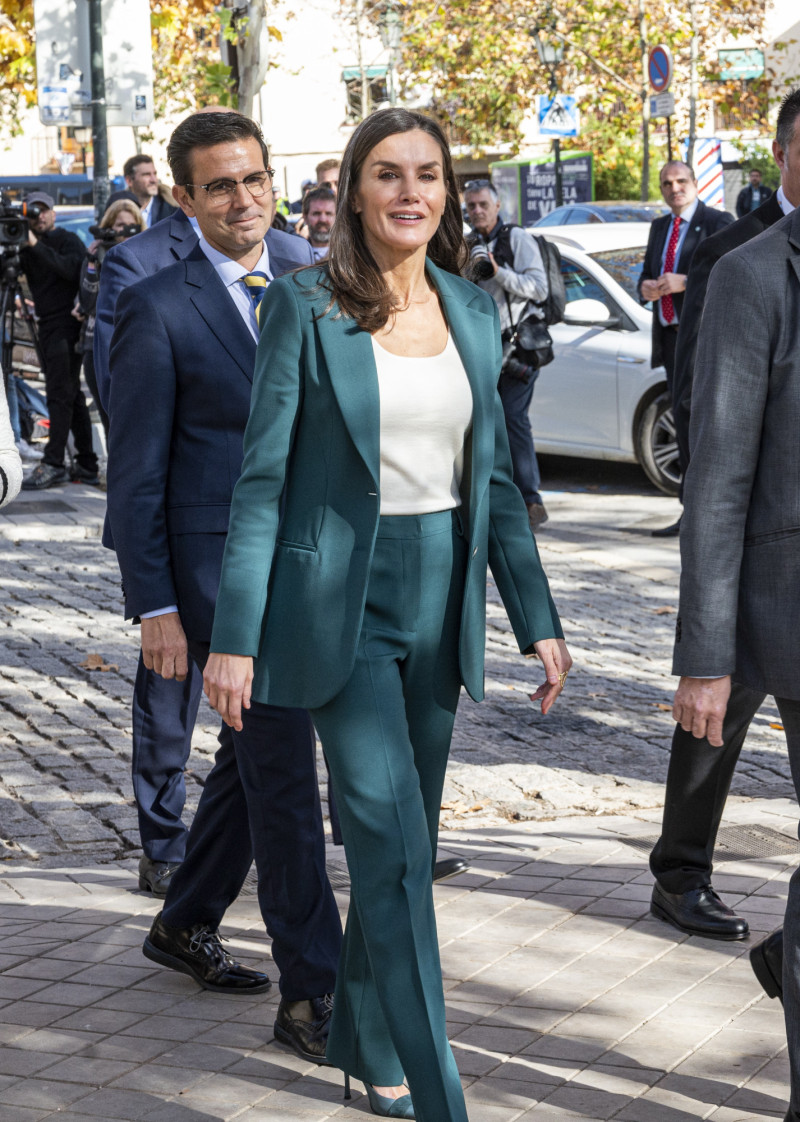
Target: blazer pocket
column 284, row 544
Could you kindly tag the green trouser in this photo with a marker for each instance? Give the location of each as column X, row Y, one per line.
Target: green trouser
column 386, row 736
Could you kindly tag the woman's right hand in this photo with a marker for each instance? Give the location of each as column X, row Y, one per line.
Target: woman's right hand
column 227, row 683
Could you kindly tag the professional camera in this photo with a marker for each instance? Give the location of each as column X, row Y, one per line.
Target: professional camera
column 516, row 369
column 14, row 219
column 107, row 237
column 480, row 263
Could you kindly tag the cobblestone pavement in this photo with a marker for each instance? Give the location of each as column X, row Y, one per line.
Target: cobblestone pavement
column 65, row 728
column 566, row 1000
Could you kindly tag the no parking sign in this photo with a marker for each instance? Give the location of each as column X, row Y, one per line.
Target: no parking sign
column 660, row 68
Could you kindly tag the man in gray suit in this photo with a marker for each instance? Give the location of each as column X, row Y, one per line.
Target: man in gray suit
column 699, row 776
column 739, row 614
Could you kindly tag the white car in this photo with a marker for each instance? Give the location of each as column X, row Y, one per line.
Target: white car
column 600, row 398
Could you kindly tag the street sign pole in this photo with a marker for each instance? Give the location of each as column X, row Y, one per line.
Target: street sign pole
column 101, row 188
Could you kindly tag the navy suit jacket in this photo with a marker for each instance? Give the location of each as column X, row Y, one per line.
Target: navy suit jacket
column 182, row 363
column 163, row 244
column 706, row 221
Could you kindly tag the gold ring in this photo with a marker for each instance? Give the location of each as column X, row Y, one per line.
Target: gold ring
column 562, row 678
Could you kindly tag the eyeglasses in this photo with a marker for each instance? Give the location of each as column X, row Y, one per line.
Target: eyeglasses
column 477, row 184
column 223, row 190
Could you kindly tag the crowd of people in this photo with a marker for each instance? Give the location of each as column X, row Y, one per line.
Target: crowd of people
column 317, row 443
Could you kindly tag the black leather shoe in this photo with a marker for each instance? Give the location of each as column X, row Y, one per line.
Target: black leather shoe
column 308, row 1038
column 766, row 958
column 154, row 876
column 668, row 531
column 450, row 867
column 698, row 912
column 198, row 952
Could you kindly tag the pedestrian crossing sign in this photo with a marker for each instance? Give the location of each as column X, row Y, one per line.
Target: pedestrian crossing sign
column 558, row 115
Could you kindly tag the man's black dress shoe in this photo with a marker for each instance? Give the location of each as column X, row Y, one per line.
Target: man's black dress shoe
column 667, row 531
column 698, row 912
column 198, row 952
column 450, row 867
column 154, row 876
column 766, row 958
column 304, row 1025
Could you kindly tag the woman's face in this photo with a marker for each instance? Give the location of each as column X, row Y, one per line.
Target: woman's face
column 123, row 219
column 401, row 192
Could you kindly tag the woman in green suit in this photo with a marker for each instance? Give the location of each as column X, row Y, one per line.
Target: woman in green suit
column 376, row 487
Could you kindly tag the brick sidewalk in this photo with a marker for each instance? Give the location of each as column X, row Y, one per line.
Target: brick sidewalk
column 566, row 1000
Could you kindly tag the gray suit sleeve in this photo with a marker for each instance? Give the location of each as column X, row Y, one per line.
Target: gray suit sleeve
column 728, row 401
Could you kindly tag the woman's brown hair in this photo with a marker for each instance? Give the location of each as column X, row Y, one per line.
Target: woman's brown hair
column 354, row 280
column 111, row 215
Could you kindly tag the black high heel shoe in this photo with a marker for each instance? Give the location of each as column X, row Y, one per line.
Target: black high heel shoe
column 382, row 1106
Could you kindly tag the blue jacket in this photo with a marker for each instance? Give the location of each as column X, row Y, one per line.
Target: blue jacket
column 147, row 253
column 301, row 537
column 182, row 361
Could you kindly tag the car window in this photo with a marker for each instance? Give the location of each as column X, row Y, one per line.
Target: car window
column 78, row 223
column 556, row 217
column 624, row 265
column 580, row 286
column 577, row 215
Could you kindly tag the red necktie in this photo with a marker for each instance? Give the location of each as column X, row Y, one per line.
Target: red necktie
column 667, row 306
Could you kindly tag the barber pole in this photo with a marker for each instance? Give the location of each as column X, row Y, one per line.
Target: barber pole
column 708, row 169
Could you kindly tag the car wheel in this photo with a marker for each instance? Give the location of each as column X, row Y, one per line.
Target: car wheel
column 657, row 445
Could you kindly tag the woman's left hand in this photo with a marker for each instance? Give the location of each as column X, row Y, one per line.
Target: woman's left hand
column 556, row 661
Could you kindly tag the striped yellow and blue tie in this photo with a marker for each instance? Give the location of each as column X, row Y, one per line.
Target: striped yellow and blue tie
column 256, row 287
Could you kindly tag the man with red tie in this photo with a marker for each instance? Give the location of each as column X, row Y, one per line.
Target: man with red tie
column 670, row 248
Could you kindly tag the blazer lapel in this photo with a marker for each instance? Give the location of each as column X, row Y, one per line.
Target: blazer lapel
column 219, row 311
column 354, row 378
column 472, row 331
column 692, row 239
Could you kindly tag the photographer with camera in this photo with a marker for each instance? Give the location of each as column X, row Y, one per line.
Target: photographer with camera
column 507, row 262
column 51, row 261
column 121, row 221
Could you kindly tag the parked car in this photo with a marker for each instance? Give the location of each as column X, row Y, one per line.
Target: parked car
column 601, row 398
column 78, row 219
column 574, row 214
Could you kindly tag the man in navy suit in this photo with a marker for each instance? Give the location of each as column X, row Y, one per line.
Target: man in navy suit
column 164, row 710
column 141, row 182
column 670, row 247
column 181, row 367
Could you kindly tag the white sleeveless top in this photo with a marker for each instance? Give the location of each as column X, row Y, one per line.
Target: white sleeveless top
column 426, row 413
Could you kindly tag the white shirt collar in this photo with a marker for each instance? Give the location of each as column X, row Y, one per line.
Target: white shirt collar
column 229, row 271
column 785, row 205
column 687, row 214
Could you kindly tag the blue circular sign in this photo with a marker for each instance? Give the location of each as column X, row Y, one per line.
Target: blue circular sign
column 659, row 68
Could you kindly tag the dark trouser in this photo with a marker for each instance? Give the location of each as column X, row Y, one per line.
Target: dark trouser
column 91, row 382
column 790, row 718
column 164, row 714
column 261, row 800
column 387, row 737
column 669, row 341
column 516, row 397
column 698, row 781
column 65, row 401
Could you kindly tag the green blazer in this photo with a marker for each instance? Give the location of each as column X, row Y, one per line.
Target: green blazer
column 305, row 510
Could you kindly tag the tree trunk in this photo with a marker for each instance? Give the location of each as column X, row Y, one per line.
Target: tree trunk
column 252, row 53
